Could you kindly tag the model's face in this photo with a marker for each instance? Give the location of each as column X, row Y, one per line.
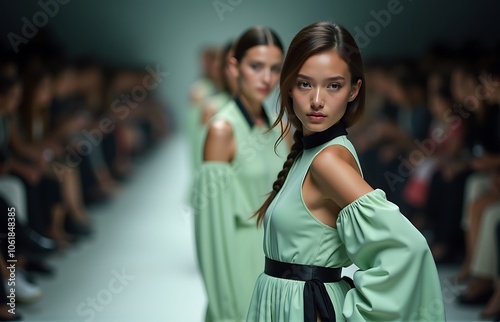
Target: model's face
column 259, row 72
column 321, row 92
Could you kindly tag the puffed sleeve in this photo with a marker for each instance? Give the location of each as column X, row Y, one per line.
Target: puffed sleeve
column 397, row 278
column 212, row 200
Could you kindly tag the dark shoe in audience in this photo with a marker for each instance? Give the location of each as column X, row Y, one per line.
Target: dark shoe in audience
column 40, row 267
column 76, row 228
column 6, row 316
column 492, row 309
column 463, row 275
column 11, row 317
column 122, row 171
column 95, row 196
column 37, row 245
column 478, row 299
column 494, row 317
column 62, row 238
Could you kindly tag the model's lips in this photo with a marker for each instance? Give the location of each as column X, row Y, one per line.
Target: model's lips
column 264, row 90
column 316, row 114
column 316, row 117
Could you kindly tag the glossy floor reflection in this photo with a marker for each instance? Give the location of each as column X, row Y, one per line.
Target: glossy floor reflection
column 140, row 264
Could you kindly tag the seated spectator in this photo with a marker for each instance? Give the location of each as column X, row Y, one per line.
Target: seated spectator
column 485, row 267
column 406, row 120
column 442, row 174
column 483, row 147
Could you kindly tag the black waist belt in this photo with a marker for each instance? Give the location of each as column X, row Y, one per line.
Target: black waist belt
column 316, row 299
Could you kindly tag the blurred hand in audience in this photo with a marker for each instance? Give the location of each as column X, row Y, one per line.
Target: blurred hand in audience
column 486, row 162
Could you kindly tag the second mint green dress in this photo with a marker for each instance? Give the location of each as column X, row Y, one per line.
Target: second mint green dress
column 397, row 278
column 224, row 197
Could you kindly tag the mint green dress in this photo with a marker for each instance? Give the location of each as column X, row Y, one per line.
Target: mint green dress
column 225, row 195
column 397, row 278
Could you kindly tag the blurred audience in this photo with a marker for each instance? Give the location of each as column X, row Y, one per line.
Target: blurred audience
column 446, row 170
column 431, row 140
column 70, row 133
column 482, row 192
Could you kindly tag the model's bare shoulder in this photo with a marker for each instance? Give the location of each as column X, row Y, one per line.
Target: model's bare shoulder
column 219, row 143
column 335, row 172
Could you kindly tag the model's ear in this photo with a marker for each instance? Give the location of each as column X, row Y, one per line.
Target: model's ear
column 233, row 67
column 355, row 90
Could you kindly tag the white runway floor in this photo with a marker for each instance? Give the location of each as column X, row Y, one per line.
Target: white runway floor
column 140, row 264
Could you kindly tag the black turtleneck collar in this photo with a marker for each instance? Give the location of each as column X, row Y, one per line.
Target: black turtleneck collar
column 320, row 138
column 247, row 116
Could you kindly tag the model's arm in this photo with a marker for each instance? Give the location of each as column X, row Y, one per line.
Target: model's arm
column 213, row 201
column 397, row 279
column 219, row 143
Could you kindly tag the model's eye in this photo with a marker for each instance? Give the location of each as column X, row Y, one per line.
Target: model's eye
column 334, row 86
column 303, row 85
column 256, row 66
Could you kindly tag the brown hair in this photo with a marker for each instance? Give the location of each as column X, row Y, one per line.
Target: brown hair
column 312, row 40
column 255, row 36
column 228, row 47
